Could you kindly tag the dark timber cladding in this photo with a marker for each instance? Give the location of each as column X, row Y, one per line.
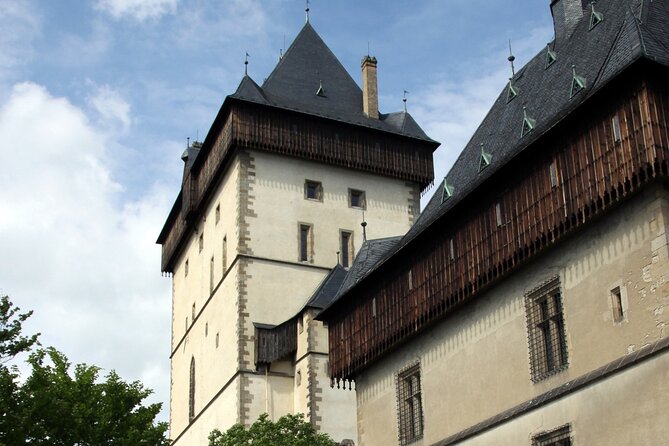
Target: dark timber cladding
column 251, row 126
column 595, row 171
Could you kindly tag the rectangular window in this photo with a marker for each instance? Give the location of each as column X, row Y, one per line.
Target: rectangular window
column 409, row 405
column 558, row 437
column 615, row 126
column 305, row 242
column 313, row 190
column 346, row 246
column 498, row 214
column 218, row 213
column 211, row 275
column 451, row 249
column 224, row 257
column 554, row 175
column 356, row 199
column 200, row 242
column 545, row 328
column 186, row 269
column 617, row 304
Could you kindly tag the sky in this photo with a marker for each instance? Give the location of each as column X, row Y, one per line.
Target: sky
column 97, row 99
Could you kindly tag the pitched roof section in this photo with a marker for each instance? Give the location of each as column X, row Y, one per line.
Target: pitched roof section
column 631, row 30
column 327, row 290
column 370, row 254
column 295, row 84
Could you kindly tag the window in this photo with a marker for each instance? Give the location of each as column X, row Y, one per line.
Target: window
column 409, row 405
column 528, row 123
column 551, row 57
column 206, row 329
column 305, row 243
column 451, row 249
column 186, row 269
column 191, row 391
column 511, row 92
column 485, row 160
column 192, row 319
column 558, row 437
column 356, row 199
column 498, row 214
column 218, row 213
column 216, row 340
column 211, row 275
column 224, row 260
column 545, row 328
column 313, row 190
column 615, row 125
column 554, row 174
column 447, row 191
column 346, row 245
column 596, row 17
column 200, row 242
column 617, row 304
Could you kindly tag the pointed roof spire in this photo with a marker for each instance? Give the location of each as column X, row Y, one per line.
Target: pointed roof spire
column 404, row 99
column 511, row 58
column 246, row 64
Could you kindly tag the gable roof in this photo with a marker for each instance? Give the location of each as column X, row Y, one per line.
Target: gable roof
column 631, row 30
column 309, row 65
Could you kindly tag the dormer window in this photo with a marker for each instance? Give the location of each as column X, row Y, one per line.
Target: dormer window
column 321, row 91
column 447, row 191
column 596, row 17
column 485, row 160
column 551, row 57
column 528, row 123
column 577, row 82
column 511, row 92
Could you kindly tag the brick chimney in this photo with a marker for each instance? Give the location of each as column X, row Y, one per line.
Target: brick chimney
column 370, row 92
column 566, row 15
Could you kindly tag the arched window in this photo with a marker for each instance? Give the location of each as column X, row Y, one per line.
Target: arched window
column 191, row 391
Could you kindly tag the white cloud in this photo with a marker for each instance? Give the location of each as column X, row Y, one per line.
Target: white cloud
column 85, row 261
column 20, row 24
column 113, row 110
column 139, row 10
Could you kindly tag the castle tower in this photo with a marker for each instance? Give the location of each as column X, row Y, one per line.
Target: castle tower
column 271, row 201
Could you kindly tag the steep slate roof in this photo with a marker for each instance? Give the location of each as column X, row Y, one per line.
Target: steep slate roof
column 306, row 66
column 327, row 290
column 371, row 252
column 631, row 30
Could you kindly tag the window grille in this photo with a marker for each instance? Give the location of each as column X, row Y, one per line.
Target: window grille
column 409, row 405
column 558, row 437
column 546, row 333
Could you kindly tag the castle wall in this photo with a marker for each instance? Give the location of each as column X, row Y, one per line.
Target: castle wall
column 487, row 341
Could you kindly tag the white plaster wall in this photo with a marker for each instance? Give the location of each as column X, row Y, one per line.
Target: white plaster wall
column 280, row 204
column 474, row 364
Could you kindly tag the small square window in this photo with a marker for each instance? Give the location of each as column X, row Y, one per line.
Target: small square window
column 409, row 405
column 200, row 242
column 313, row 190
column 218, row 213
column 558, row 437
column 356, row 199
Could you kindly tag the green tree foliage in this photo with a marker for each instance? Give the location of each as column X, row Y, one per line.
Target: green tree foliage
column 58, row 406
column 289, row 430
column 11, row 341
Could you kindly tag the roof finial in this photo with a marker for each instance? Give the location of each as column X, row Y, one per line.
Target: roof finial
column 187, row 142
column 364, row 227
column 246, row 64
column 404, row 99
column 511, row 58
column 306, row 10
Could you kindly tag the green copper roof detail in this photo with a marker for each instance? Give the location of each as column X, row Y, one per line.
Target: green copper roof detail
column 596, row 17
column 577, row 82
column 511, row 92
column 485, row 160
column 448, row 190
column 528, row 123
column 551, row 56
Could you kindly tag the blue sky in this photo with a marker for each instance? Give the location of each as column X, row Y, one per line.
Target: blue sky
column 97, row 99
